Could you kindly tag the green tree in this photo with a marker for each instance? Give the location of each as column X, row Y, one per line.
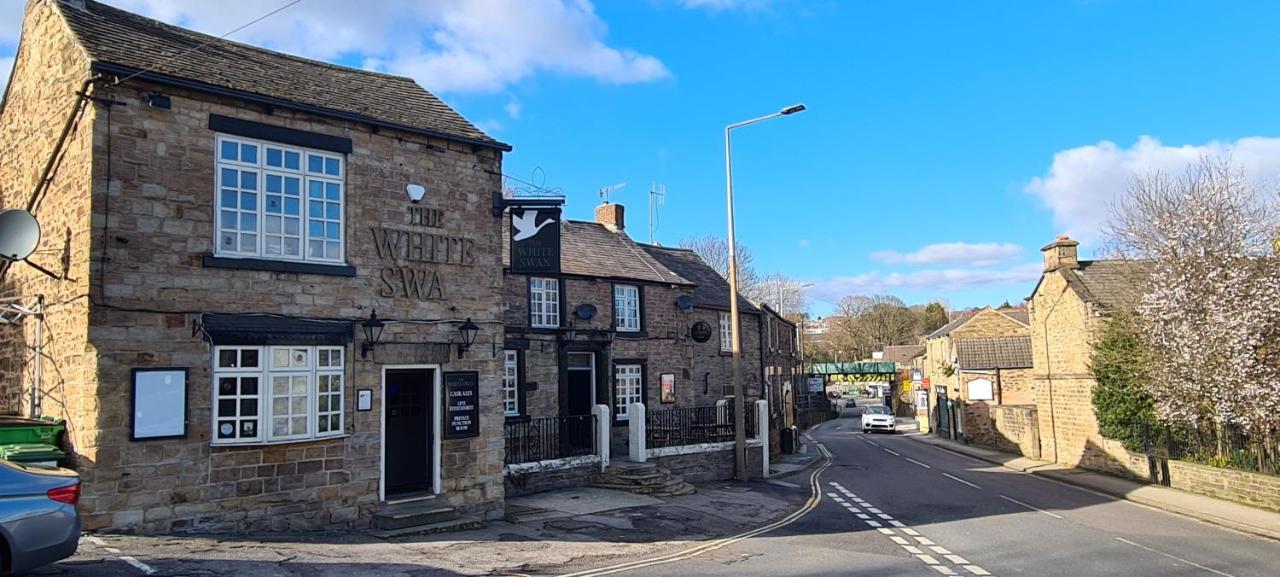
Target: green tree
column 933, row 318
column 1126, row 411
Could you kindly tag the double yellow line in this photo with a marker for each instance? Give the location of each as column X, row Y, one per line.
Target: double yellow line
column 815, row 498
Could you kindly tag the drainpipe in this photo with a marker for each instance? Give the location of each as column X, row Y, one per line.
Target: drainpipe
column 39, row 351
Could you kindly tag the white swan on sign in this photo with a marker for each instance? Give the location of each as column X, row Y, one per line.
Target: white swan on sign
column 526, row 224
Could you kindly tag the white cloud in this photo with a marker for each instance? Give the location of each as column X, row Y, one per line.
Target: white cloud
column 940, row 281
column 447, row 46
column 1083, row 182
column 513, row 107
column 804, row 243
column 968, row 253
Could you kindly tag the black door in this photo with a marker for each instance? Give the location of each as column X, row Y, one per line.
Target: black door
column 408, row 431
column 576, row 433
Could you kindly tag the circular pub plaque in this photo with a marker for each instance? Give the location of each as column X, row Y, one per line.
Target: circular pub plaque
column 700, row 331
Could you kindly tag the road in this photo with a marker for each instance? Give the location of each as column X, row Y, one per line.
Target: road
column 893, row 506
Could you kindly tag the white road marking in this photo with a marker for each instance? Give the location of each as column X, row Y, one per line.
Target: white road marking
column 900, row 540
column 917, row 462
column 885, row 517
column 1179, row 559
column 874, row 510
column 955, row 478
column 958, row 560
column 943, row 569
column 912, row 550
column 884, row 531
column 976, row 570
column 896, row 454
column 927, row 559
column 900, row 525
column 864, row 516
column 924, row 540
column 138, row 564
column 870, row 441
column 874, row 523
column 940, row 550
column 1011, row 499
column 910, row 531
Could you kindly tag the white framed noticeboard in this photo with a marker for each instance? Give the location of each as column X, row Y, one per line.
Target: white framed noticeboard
column 159, row 404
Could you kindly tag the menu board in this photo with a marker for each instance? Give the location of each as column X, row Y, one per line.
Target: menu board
column 461, row 405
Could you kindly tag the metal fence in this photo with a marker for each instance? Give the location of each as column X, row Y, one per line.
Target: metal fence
column 1225, row 447
column 545, row 438
column 678, row 426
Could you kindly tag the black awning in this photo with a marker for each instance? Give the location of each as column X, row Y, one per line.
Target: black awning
column 231, row 329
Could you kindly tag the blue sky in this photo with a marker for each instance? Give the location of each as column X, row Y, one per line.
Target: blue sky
column 945, row 142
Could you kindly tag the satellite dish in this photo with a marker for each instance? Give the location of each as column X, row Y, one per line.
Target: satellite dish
column 416, row 192
column 684, row 302
column 585, row 312
column 19, row 234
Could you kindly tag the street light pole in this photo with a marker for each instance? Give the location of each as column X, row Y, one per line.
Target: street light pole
column 739, row 410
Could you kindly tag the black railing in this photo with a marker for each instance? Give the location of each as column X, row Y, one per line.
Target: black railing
column 678, row 426
column 546, row 438
column 1224, row 447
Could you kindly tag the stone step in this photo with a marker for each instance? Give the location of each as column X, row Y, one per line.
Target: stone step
column 413, row 514
column 655, row 478
column 631, row 467
column 458, row 524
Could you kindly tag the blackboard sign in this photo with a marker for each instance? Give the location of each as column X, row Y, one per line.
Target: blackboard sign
column 461, row 405
column 535, row 240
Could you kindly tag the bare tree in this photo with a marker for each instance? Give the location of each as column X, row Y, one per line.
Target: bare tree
column 715, row 250
column 1211, row 311
column 868, row 323
column 783, row 294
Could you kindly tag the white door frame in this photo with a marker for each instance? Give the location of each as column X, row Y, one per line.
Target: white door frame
column 436, row 425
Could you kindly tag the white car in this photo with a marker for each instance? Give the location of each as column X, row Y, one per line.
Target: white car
column 878, row 418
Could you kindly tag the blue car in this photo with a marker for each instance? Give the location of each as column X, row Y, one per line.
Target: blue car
column 38, row 520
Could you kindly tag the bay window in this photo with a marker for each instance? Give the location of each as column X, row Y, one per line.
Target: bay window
column 302, row 397
column 278, row 202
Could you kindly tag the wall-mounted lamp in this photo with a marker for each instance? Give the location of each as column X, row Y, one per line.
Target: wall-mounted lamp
column 468, row 330
column 372, row 333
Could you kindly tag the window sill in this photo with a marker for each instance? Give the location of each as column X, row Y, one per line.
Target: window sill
column 211, row 261
column 518, row 418
column 217, row 445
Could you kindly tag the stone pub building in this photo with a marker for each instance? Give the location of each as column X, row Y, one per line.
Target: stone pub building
column 221, row 227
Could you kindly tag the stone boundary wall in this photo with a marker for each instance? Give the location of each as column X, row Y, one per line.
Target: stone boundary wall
column 1244, row 487
column 529, row 478
column 1010, row 428
column 716, row 465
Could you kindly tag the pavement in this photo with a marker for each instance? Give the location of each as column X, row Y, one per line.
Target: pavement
column 550, row 533
column 1216, row 511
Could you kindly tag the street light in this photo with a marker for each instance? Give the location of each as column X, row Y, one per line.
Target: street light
column 739, row 428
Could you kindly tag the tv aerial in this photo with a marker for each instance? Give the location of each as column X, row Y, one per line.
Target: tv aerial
column 606, row 191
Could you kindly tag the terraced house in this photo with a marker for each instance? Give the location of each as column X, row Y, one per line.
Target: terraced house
column 623, row 323
column 274, row 297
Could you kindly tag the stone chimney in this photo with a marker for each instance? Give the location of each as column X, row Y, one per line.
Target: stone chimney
column 1061, row 253
column 611, row 216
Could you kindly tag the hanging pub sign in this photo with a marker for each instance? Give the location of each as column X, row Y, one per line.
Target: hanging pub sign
column 535, row 240
column 461, row 405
